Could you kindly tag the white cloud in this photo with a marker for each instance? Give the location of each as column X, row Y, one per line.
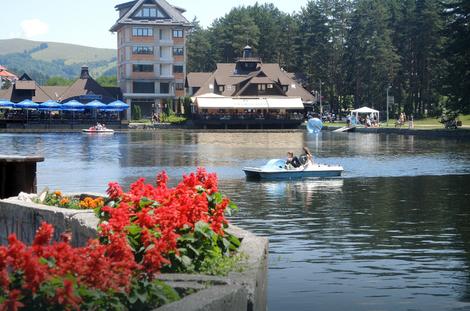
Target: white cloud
column 34, row 27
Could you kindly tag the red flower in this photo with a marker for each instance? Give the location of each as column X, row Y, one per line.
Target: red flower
column 66, row 297
column 114, row 190
column 43, row 234
column 12, row 303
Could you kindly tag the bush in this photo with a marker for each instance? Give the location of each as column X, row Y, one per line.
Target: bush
column 136, row 112
column 170, row 229
column 151, row 228
column 173, row 119
column 59, row 277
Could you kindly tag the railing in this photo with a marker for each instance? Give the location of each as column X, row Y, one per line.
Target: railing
column 62, row 118
column 248, row 116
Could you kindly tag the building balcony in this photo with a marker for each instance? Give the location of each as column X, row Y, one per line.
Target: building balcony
column 143, row 76
column 166, row 42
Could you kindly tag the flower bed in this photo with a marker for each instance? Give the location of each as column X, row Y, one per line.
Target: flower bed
column 57, row 199
column 147, row 230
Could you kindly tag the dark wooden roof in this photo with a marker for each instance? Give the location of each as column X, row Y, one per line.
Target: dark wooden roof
column 197, row 79
column 31, row 90
column 226, row 75
column 83, row 87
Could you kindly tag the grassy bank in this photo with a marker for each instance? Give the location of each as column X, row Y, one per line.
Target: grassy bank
column 426, row 123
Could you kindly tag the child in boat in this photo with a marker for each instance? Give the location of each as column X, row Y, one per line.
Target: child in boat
column 292, row 161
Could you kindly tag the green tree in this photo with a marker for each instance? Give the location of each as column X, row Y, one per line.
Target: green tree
column 58, row 81
column 323, row 26
column 231, row 33
column 457, row 54
column 107, row 81
column 372, row 61
column 200, row 58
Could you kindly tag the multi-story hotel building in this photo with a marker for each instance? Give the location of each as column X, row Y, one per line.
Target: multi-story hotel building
column 151, row 60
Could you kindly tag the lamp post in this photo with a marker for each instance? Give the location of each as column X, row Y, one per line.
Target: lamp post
column 321, row 106
column 388, row 88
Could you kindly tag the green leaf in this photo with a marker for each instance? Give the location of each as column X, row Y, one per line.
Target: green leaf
column 186, row 261
column 134, row 229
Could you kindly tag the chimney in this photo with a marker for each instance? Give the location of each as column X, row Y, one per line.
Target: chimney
column 84, row 74
column 247, row 52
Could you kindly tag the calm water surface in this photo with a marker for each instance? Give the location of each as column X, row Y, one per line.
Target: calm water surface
column 393, row 234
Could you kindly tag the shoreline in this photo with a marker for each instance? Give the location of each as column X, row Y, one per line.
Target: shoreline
column 463, row 133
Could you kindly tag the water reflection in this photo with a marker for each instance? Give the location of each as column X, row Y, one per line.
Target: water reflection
column 364, row 244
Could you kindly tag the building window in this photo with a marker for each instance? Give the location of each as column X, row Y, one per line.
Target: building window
column 177, row 33
column 142, row 68
column 178, row 51
column 145, row 50
column 221, row 88
column 178, row 69
column 179, row 86
column 149, row 13
column 143, row 87
column 261, row 87
column 285, row 88
column 164, row 88
column 270, row 86
column 142, row 32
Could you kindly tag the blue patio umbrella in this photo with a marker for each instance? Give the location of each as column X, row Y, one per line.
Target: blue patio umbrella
column 96, row 104
column 50, row 105
column 26, row 104
column 118, row 105
column 6, row 104
column 73, row 105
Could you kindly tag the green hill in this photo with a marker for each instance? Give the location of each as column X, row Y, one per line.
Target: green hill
column 55, row 59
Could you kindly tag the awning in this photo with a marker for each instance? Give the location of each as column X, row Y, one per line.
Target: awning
column 214, row 103
column 285, row 103
column 248, row 103
column 231, row 103
column 258, row 103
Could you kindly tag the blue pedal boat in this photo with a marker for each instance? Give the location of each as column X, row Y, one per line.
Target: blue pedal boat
column 275, row 169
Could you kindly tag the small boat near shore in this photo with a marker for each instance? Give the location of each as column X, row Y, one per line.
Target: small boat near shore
column 98, row 129
column 275, row 169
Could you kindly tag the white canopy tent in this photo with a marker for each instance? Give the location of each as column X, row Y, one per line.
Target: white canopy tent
column 365, row 110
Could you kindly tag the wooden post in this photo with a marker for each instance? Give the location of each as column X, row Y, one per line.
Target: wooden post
column 18, row 174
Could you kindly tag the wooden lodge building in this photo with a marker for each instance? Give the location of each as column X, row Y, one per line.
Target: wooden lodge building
column 247, row 93
column 84, row 90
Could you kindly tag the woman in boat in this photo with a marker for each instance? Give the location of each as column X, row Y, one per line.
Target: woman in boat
column 306, row 158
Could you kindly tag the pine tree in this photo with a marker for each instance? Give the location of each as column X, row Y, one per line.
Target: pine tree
column 371, row 61
column 457, row 53
column 200, row 57
column 231, row 33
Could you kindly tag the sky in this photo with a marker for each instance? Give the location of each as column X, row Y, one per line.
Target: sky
column 87, row 22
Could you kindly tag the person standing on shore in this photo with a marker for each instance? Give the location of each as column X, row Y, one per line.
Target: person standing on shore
column 410, row 122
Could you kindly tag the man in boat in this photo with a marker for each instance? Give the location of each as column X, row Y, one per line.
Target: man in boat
column 292, row 161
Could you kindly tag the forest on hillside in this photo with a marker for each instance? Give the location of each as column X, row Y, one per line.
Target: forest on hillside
column 357, row 49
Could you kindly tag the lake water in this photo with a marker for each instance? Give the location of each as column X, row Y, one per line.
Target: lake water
column 392, row 234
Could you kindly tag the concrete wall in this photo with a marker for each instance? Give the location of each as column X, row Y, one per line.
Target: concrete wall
column 244, row 290
column 23, row 219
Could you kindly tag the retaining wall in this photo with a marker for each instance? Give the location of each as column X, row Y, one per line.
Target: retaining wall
column 238, row 291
